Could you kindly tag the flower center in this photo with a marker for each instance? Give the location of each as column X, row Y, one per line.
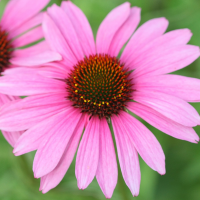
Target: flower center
column 99, row 86
column 5, row 52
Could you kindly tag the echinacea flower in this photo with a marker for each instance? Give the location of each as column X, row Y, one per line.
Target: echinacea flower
column 91, row 88
column 19, row 27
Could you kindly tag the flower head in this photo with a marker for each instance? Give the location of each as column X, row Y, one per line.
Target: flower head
column 90, row 89
column 20, row 25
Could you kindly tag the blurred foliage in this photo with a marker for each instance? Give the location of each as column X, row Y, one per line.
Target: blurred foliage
column 182, row 180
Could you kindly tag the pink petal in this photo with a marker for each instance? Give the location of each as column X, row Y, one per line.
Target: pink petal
column 163, row 123
column 110, row 25
column 55, row 142
column 12, row 137
column 107, row 167
column 62, row 21
column 125, row 31
column 34, row 50
column 15, row 14
column 29, row 84
column 148, row 32
column 57, row 42
column 144, row 141
column 29, row 37
column 81, row 26
column 166, row 41
column 185, row 88
column 37, row 59
column 33, row 22
column 128, row 157
column 28, row 112
column 52, row 179
column 168, row 60
column 33, row 137
column 88, row 154
column 172, row 107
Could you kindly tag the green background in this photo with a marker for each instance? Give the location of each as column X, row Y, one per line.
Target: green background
column 182, row 179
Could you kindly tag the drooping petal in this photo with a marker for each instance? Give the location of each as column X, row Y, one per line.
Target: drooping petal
column 148, row 32
column 57, row 42
column 81, row 26
column 144, row 141
column 53, row 178
column 110, row 25
column 31, row 111
column 88, row 154
column 107, row 167
column 15, row 14
column 163, row 123
column 125, row 31
column 172, row 107
column 29, row 84
column 33, row 137
column 62, row 21
column 185, row 88
column 166, row 60
column 128, row 157
column 54, row 143
column 12, row 137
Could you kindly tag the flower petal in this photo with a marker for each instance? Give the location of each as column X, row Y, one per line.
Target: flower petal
column 107, row 167
column 33, row 22
column 166, row 41
column 62, row 21
column 88, row 154
column 172, row 107
column 29, row 83
column 163, row 123
column 110, row 26
column 15, row 14
column 168, row 60
column 81, row 26
column 37, row 59
column 58, row 135
column 53, row 178
column 185, row 88
column 144, row 141
column 57, row 42
column 128, row 157
column 148, row 32
column 30, row 111
column 29, row 37
column 125, row 31
column 12, row 137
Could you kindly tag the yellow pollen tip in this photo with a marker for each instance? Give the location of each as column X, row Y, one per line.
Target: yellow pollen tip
column 99, row 104
column 107, row 103
column 81, row 97
column 76, row 85
column 74, row 77
column 103, row 102
column 85, row 100
column 88, row 100
column 94, row 103
column 120, row 95
column 76, row 91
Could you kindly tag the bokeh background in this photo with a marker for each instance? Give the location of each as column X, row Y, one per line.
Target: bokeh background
column 182, row 180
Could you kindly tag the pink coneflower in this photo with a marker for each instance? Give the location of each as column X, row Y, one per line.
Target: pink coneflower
column 19, row 27
column 91, row 89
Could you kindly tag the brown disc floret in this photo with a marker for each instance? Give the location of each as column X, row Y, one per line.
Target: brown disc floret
column 99, row 85
column 5, row 50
